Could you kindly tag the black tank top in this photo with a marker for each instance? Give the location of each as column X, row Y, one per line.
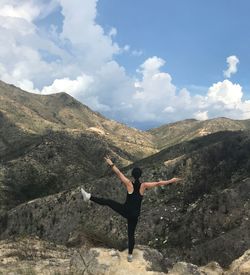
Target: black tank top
column 133, row 201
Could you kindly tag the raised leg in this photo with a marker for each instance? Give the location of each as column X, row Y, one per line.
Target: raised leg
column 116, row 206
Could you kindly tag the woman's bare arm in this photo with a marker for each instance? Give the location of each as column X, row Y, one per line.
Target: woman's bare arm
column 119, row 174
column 160, row 183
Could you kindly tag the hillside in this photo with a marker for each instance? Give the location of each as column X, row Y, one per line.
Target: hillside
column 54, row 162
column 201, row 220
column 53, row 143
column 33, row 114
column 174, row 133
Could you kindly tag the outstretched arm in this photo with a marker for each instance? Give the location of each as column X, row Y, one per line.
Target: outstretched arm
column 160, row 183
column 119, row 174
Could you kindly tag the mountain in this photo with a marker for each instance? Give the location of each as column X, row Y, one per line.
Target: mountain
column 50, row 143
column 173, row 133
column 35, row 114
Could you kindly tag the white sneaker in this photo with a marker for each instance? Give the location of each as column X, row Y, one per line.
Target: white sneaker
column 130, row 257
column 86, row 196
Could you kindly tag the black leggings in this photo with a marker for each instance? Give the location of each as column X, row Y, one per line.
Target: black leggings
column 120, row 208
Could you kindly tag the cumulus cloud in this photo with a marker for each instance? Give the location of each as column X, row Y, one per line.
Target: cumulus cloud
column 227, row 93
column 73, row 87
column 153, row 90
column 232, row 62
column 27, row 11
column 157, row 99
column 223, row 98
column 201, row 115
column 42, row 56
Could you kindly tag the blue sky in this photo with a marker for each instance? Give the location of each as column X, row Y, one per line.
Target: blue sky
column 194, row 37
column 143, row 63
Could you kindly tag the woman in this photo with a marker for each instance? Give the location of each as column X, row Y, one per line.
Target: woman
column 132, row 206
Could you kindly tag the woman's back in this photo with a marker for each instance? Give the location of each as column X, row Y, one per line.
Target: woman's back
column 133, row 200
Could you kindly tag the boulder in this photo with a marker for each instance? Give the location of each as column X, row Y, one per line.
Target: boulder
column 240, row 266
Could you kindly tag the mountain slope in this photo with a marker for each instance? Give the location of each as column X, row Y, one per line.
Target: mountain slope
column 200, row 220
column 53, row 143
column 36, row 114
column 57, row 161
column 174, row 133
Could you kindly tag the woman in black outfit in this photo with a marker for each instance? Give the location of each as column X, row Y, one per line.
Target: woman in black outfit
column 132, row 206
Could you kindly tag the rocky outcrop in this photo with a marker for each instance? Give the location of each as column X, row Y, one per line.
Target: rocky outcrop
column 240, row 266
column 183, row 268
column 109, row 261
column 36, row 256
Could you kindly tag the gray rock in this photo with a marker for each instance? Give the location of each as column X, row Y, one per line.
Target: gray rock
column 182, row 268
column 84, row 261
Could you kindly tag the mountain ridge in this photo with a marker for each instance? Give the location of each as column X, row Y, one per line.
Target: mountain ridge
column 61, row 111
column 177, row 132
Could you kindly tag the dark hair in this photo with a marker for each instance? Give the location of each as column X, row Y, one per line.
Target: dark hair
column 136, row 172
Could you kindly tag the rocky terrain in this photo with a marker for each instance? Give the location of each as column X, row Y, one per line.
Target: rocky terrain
column 201, row 220
column 51, row 145
column 36, row 256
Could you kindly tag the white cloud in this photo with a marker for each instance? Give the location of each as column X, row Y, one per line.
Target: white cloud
column 245, row 110
column 232, row 66
column 227, row 93
column 201, row 115
column 169, row 109
column 91, row 47
column 72, row 87
column 157, row 98
column 153, row 91
column 27, row 85
column 152, row 66
column 226, row 99
column 27, row 11
column 69, row 54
